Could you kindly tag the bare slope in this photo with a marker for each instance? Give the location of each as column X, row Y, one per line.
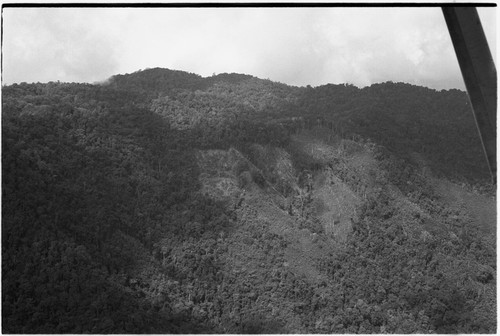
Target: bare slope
column 348, row 210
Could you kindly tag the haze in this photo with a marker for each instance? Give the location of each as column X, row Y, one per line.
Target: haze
column 296, row 46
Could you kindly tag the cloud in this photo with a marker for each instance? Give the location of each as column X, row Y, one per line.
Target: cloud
column 297, row 46
column 56, row 44
column 397, row 44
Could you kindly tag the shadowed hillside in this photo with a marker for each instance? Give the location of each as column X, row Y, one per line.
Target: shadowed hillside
column 165, row 202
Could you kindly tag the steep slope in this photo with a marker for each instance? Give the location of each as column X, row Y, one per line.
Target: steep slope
column 164, row 202
column 347, row 253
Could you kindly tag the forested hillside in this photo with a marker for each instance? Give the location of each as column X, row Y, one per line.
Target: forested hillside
column 165, row 202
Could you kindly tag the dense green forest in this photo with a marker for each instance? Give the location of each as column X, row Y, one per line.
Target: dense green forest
column 165, row 202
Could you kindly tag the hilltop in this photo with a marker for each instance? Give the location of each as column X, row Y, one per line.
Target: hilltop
column 166, row 202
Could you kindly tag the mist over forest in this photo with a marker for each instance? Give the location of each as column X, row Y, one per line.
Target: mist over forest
column 162, row 201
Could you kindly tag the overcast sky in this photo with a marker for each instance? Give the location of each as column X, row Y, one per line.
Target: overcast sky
column 297, row 46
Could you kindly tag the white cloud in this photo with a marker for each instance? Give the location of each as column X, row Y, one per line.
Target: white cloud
column 293, row 45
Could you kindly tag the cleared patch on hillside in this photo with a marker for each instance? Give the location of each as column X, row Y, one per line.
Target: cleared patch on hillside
column 220, row 188
column 275, row 165
column 321, row 149
column 335, row 205
column 335, row 202
column 218, row 177
column 303, row 248
column 480, row 208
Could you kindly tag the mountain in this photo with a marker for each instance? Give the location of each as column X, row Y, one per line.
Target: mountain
column 165, row 202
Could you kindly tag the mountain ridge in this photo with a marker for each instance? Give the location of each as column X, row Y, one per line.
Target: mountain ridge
column 161, row 203
column 401, row 116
